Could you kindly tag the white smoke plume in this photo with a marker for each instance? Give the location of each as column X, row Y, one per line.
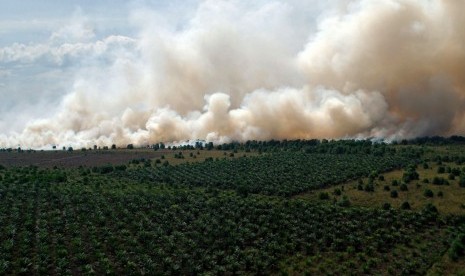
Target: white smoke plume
column 240, row 71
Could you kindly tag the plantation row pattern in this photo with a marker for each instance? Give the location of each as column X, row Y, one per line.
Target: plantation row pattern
column 74, row 228
column 281, row 174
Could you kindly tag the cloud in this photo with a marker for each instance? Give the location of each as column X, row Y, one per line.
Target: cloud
column 58, row 55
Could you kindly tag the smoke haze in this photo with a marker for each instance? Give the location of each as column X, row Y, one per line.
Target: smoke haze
column 232, row 70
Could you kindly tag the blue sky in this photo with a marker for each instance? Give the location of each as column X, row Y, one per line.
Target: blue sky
column 28, row 21
column 33, row 87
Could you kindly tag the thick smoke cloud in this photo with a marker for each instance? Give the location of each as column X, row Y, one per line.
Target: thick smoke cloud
column 239, row 71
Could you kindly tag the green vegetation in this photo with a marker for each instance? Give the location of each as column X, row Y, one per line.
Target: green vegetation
column 288, row 207
column 283, row 173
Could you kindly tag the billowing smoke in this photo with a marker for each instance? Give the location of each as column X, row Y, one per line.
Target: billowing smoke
column 237, row 71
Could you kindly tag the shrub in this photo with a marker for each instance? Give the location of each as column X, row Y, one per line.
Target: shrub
column 456, row 171
column 405, row 206
column 403, row 187
column 386, row 206
column 323, row 196
column 106, row 169
column 462, row 181
column 369, row 187
column 457, row 248
column 394, row 194
column 337, row 192
column 395, row 182
column 441, row 169
column 344, row 202
column 410, row 174
column 430, row 208
column 440, row 194
column 387, row 188
column 242, row 190
column 438, row 180
column 428, row 193
column 120, row 168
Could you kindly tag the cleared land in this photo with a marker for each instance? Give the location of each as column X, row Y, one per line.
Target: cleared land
column 90, row 158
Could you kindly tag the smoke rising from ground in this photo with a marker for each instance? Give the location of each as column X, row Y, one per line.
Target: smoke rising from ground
column 240, row 71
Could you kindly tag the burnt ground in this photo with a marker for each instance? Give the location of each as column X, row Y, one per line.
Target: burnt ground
column 73, row 159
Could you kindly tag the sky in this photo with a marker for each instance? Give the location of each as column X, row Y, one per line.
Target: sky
column 31, row 81
column 79, row 73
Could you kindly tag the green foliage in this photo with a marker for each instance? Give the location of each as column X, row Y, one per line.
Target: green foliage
column 344, row 202
column 441, row 169
column 456, row 171
column 106, row 169
column 462, row 181
column 405, row 205
column 116, row 227
column 428, row 193
column 403, row 187
column 430, row 208
column 223, row 217
column 283, row 173
column 369, row 187
column 456, row 249
column 323, row 196
column 410, row 174
column 440, row 181
column 120, row 167
column 386, row 206
column 242, row 190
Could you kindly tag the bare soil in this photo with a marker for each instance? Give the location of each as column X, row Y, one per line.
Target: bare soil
column 73, row 159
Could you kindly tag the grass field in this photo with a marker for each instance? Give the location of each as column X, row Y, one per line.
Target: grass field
column 452, row 200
